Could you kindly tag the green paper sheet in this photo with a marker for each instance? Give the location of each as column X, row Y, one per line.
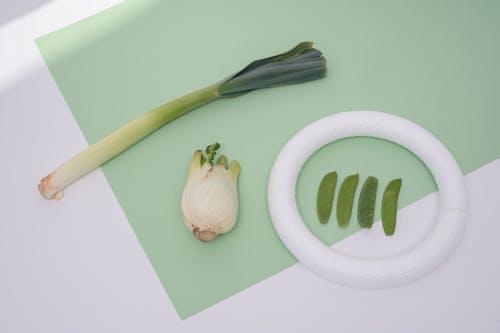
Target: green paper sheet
column 433, row 62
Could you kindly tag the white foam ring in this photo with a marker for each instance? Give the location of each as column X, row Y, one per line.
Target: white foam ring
column 358, row 272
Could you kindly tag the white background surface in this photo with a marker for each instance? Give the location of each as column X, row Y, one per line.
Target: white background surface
column 76, row 265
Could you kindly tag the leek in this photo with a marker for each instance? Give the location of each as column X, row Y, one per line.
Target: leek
column 300, row 64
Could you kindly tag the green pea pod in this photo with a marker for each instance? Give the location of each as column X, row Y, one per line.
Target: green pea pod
column 366, row 202
column 324, row 201
column 346, row 199
column 390, row 206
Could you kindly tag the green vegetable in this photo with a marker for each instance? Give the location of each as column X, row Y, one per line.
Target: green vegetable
column 324, row 201
column 211, row 151
column 366, row 202
column 302, row 63
column 390, row 206
column 346, row 199
column 210, row 198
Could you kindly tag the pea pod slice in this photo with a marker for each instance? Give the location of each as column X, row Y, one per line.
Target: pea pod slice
column 346, row 199
column 324, row 200
column 390, row 206
column 366, row 202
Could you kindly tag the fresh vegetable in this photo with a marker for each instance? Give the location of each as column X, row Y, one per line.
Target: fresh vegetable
column 302, row 63
column 346, row 199
column 210, row 197
column 366, row 202
column 324, row 200
column 390, row 206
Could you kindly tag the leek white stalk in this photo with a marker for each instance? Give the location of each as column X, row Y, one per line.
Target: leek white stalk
column 302, row 63
column 102, row 151
column 210, row 197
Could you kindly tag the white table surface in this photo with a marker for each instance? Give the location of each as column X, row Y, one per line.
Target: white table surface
column 76, row 265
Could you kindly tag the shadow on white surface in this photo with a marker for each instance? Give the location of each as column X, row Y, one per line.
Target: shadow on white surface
column 12, row 9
